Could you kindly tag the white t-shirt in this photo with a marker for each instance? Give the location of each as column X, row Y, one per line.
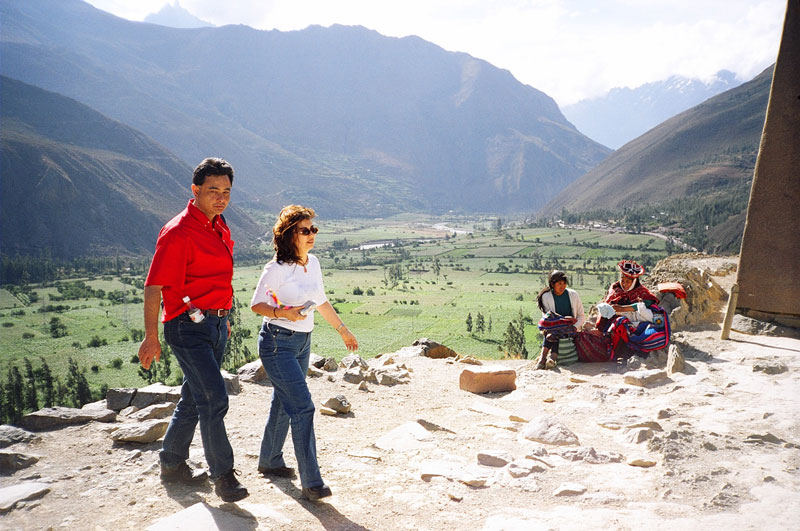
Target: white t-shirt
column 294, row 286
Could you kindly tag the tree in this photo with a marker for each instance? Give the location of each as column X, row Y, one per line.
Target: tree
column 514, row 340
column 236, row 351
column 31, row 399
column 47, row 385
column 77, row 386
column 469, row 322
column 437, row 267
column 57, row 328
column 13, row 402
column 480, row 325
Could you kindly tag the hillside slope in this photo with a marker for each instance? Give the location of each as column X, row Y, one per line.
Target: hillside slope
column 342, row 117
column 76, row 183
column 707, row 150
column 623, row 114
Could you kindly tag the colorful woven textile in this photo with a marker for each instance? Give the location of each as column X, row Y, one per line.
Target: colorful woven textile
column 567, row 352
column 592, row 348
column 617, row 295
column 672, row 287
column 645, row 337
column 555, row 326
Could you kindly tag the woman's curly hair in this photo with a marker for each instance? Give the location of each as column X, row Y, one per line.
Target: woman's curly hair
column 283, row 232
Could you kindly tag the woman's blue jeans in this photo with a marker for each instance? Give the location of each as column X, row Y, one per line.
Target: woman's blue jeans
column 285, row 355
column 199, row 348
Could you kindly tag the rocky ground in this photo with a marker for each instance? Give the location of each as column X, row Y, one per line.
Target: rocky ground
column 580, row 447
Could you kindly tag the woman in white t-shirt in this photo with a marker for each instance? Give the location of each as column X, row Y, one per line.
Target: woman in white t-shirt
column 288, row 293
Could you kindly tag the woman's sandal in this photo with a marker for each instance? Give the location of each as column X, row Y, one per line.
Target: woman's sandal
column 552, row 360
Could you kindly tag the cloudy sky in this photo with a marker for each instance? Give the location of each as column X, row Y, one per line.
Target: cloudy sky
column 570, row 49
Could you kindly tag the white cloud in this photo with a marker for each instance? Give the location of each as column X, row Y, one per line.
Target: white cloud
column 570, row 49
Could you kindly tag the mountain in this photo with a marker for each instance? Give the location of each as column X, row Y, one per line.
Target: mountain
column 624, row 113
column 76, row 183
column 342, row 118
column 698, row 164
column 175, row 16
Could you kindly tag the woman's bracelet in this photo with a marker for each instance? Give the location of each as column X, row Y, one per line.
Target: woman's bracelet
column 340, row 326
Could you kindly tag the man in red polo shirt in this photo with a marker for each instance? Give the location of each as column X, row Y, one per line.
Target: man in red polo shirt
column 194, row 259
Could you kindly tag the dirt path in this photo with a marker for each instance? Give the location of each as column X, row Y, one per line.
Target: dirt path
column 706, row 475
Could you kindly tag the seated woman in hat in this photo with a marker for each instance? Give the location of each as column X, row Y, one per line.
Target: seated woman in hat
column 630, row 314
column 625, row 295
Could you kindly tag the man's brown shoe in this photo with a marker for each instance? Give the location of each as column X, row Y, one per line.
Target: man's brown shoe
column 183, row 473
column 229, row 489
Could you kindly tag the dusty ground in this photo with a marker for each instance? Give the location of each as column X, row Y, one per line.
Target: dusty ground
column 706, row 476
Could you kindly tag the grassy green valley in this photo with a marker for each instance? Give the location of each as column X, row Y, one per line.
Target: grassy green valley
column 392, row 280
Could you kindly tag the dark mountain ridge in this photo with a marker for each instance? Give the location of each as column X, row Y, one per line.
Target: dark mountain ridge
column 76, row 183
column 342, row 117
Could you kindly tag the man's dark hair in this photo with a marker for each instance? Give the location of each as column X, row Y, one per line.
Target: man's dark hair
column 211, row 166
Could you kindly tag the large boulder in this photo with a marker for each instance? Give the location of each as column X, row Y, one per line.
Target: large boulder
column 548, row 430
column 705, row 299
column 155, row 394
column 11, row 435
column 252, row 372
column 10, row 462
column 11, row 495
column 232, row 385
column 488, row 379
column 120, row 398
column 432, row 349
column 58, row 417
column 141, row 432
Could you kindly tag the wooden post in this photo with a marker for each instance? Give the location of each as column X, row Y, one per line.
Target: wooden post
column 731, row 311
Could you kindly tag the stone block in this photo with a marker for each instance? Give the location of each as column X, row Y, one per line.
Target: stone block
column 252, row 372
column 119, row 399
column 232, row 385
column 58, row 417
column 488, row 379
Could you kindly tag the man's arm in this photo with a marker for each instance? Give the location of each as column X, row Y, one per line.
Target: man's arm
column 151, row 346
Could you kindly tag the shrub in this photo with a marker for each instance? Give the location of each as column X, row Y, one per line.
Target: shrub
column 57, row 328
column 116, row 363
column 8, row 324
column 370, row 292
column 135, row 359
column 76, row 344
column 96, row 342
column 95, row 369
column 358, row 291
column 27, row 335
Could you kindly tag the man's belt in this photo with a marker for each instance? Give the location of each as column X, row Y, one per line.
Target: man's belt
column 217, row 313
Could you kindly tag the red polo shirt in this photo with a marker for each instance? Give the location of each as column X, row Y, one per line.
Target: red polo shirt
column 194, row 257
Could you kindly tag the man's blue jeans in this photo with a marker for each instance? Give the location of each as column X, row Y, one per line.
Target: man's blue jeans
column 285, row 355
column 199, row 348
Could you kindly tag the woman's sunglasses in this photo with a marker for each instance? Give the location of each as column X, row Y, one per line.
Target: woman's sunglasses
column 313, row 229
